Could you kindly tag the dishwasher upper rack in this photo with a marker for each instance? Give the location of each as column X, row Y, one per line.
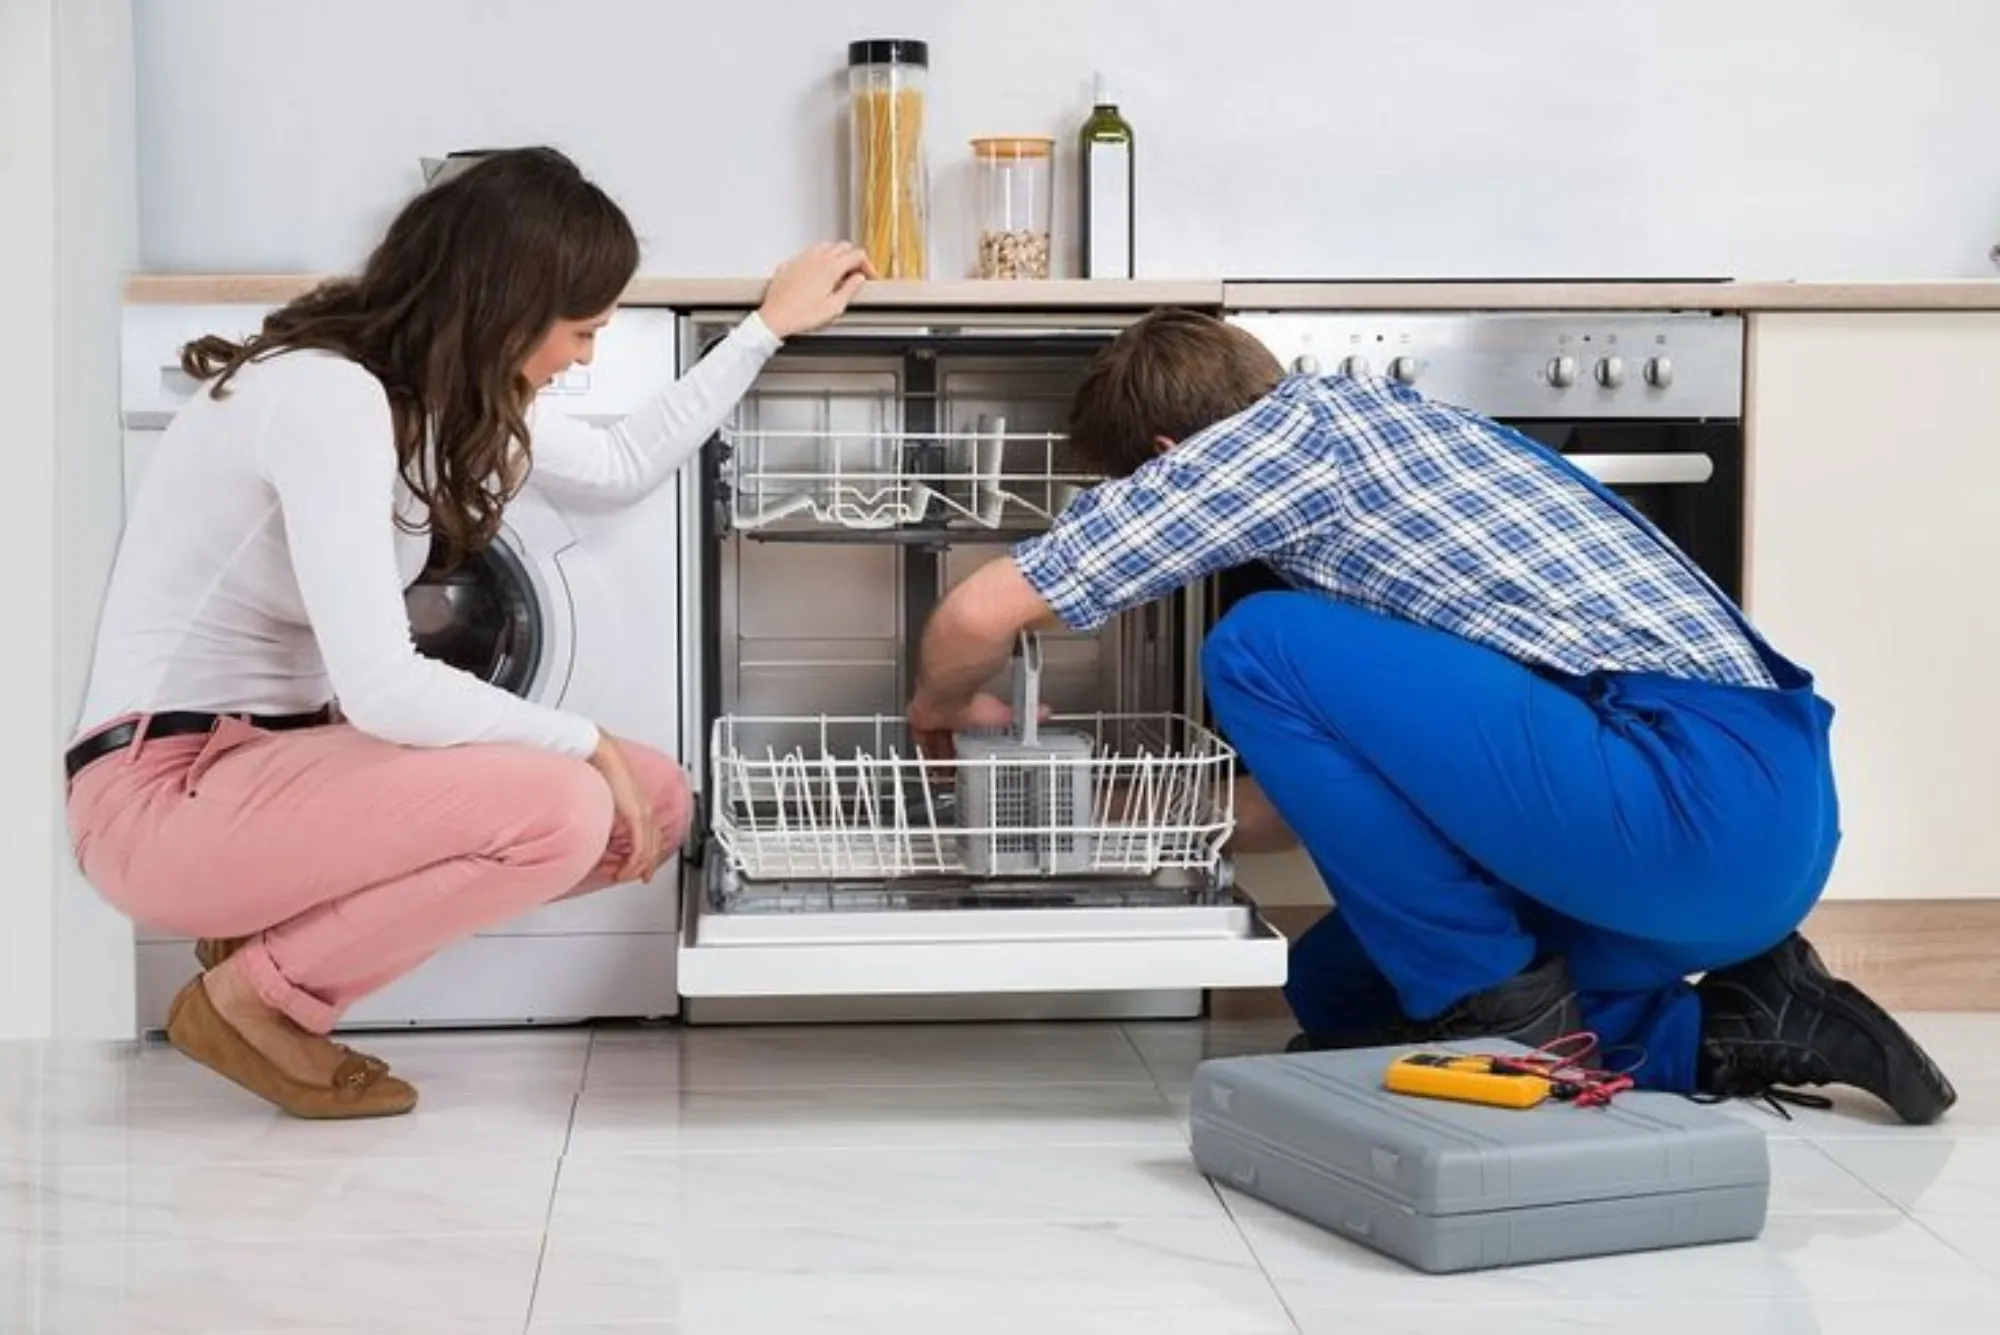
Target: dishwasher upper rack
column 854, row 798
column 858, row 462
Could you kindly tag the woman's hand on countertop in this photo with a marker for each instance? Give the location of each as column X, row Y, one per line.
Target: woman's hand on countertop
column 812, row 289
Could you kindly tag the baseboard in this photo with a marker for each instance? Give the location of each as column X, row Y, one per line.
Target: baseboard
column 482, row 982
column 1914, row 955
column 1909, row 954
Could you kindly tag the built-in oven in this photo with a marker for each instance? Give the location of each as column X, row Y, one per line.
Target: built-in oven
column 1651, row 404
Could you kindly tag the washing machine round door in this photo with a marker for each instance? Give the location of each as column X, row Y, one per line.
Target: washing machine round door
column 483, row 617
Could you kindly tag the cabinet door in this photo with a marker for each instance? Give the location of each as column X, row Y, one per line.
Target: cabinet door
column 1874, row 457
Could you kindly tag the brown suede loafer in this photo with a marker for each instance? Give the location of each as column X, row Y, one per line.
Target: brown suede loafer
column 210, row 952
column 359, row 1087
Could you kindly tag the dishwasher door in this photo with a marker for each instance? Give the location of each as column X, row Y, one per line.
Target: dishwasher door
column 972, row 951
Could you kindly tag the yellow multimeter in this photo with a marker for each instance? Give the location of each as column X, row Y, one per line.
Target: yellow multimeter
column 1463, row 1079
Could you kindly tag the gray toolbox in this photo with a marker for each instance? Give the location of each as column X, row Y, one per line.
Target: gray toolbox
column 1446, row 1186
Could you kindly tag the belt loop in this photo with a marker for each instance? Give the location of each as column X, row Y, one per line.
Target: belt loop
column 139, row 730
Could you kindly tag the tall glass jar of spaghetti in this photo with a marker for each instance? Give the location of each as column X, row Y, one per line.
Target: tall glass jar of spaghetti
column 889, row 189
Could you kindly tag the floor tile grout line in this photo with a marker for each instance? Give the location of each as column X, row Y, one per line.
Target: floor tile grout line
column 1892, row 1134
column 1152, row 1075
column 1990, row 1269
column 1263, row 1266
column 878, row 1148
column 542, row 1249
column 556, row 1180
column 101, row 1241
column 1859, row 1180
column 576, row 1095
column 1215, row 1193
column 899, row 1086
column 127, row 1244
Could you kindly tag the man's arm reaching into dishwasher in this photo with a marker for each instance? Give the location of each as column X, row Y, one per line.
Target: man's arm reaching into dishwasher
column 1233, row 492
column 969, row 639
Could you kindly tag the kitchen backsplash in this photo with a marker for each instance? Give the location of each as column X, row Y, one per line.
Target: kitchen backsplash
column 1431, row 138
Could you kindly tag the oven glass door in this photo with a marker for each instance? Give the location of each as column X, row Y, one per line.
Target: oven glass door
column 1685, row 477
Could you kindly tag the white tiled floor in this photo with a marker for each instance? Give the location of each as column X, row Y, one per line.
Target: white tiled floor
column 969, row 1180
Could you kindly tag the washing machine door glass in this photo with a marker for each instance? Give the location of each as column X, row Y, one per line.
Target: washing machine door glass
column 482, row 617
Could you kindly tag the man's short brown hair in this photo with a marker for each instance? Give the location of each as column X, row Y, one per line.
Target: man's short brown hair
column 1169, row 375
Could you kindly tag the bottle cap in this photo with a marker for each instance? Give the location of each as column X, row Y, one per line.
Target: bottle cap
column 889, row 51
column 1101, row 93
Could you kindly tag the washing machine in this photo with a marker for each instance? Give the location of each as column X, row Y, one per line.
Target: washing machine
column 577, row 608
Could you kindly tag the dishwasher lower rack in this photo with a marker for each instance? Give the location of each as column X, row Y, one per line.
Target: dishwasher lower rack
column 1144, row 801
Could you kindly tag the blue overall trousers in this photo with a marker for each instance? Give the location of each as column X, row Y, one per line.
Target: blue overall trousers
column 1471, row 814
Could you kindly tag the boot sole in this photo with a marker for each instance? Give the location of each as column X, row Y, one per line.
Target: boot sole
column 1916, row 1090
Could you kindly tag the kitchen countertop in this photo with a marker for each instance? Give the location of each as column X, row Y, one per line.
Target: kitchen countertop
column 1976, row 294
column 742, row 293
column 1076, row 294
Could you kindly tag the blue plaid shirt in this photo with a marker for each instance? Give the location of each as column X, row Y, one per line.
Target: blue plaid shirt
column 1367, row 492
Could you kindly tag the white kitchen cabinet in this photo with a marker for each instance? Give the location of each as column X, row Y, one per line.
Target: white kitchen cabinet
column 1874, row 549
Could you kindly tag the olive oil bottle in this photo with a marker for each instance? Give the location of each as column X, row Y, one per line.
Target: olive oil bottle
column 1105, row 148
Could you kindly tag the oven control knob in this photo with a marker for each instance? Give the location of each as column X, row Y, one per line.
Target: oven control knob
column 1659, row 372
column 1611, row 372
column 1306, row 365
column 1355, row 365
column 1562, row 372
column 1403, row 369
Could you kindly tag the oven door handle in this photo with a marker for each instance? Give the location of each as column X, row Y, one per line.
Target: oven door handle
column 1639, row 470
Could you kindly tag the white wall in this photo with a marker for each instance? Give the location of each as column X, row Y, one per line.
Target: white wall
column 97, row 245
column 27, row 526
column 1760, row 138
column 68, row 234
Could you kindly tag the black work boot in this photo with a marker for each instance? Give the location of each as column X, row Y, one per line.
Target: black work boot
column 1781, row 1021
column 1533, row 1009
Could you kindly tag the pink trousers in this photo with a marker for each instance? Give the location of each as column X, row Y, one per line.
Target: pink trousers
column 346, row 861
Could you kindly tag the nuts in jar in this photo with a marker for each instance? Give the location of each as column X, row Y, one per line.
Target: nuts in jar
column 1020, row 253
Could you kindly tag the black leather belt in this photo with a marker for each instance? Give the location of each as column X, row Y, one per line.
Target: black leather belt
column 179, row 723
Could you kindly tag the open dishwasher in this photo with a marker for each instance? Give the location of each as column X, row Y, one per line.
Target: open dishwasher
column 871, row 468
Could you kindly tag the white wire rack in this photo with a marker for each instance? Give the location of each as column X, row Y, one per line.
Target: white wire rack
column 859, row 801
column 856, row 466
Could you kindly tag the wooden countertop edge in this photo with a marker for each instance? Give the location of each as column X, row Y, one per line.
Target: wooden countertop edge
column 1079, row 294
column 738, row 293
column 1928, row 295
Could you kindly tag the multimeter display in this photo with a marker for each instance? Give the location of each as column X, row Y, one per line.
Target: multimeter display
column 1462, row 1079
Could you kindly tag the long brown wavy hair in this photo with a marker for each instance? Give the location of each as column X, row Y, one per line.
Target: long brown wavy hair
column 468, row 280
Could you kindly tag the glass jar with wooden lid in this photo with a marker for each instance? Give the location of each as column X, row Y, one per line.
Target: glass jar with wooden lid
column 1015, row 177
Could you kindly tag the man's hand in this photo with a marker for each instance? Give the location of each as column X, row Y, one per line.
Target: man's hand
column 933, row 728
column 1259, row 827
column 966, row 643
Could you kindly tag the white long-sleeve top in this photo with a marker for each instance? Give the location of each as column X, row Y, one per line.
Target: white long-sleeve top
column 262, row 567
